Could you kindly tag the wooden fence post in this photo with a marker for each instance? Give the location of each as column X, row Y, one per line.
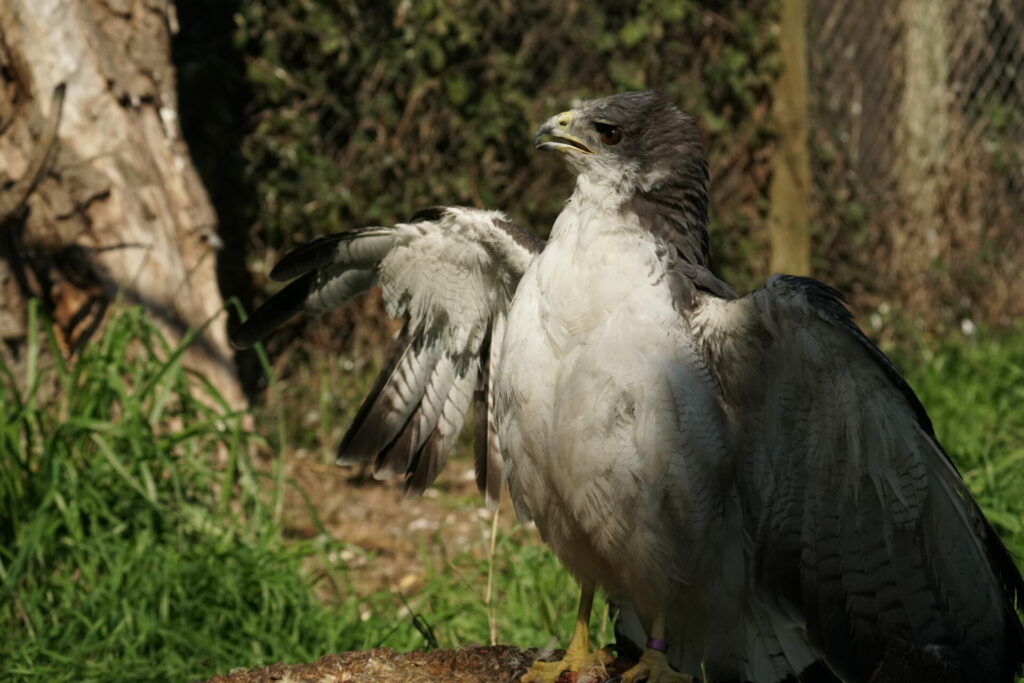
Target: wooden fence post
column 789, row 194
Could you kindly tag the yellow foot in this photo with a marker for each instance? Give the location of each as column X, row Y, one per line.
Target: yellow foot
column 550, row 672
column 653, row 667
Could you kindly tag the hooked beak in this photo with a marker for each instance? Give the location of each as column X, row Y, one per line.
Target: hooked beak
column 554, row 136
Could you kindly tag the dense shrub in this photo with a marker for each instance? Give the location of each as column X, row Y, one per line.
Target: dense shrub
column 362, row 112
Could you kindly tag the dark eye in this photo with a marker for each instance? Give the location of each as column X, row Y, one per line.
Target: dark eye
column 610, row 135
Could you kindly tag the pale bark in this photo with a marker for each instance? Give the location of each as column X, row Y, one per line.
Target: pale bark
column 119, row 212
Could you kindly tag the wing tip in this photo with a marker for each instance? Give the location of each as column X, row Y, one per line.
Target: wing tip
column 305, row 257
column 272, row 313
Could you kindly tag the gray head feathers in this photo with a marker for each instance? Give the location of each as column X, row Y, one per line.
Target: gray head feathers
column 670, row 180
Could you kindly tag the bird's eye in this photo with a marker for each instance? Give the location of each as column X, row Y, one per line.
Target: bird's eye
column 610, row 135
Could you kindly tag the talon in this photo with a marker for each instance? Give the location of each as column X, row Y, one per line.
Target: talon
column 653, row 667
column 594, row 661
column 578, row 658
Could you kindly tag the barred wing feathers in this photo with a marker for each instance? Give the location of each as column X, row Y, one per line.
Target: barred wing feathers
column 863, row 531
column 450, row 274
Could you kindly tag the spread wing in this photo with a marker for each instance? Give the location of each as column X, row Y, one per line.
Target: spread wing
column 450, row 274
column 863, row 531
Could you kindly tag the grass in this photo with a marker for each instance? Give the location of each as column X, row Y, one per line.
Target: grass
column 535, row 599
column 973, row 391
column 139, row 540
column 125, row 552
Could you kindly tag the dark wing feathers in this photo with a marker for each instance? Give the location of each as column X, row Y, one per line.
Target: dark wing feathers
column 432, row 454
column 386, row 410
column 362, row 248
column 397, row 354
column 412, row 416
column 311, row 256
column 487, row 449
column 274, row 312
column 865, row 531
column 428, row 214
column 481, row 397
column 328, row 271
column 831, row 303
column 400, row 456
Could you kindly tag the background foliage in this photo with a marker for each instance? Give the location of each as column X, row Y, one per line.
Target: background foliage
column 366, row 111
column 351, row 113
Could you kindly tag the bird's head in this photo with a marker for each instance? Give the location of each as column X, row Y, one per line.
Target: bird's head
column 631, row 142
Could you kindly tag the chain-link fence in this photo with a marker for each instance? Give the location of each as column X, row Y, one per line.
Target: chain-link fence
column 917, row 110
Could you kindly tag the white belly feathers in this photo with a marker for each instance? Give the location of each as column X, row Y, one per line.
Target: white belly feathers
column 597, row 373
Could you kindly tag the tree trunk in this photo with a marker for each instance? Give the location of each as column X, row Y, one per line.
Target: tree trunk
column 789, row 194
column 107, row 205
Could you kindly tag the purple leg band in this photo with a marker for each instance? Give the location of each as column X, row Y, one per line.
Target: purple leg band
column 655, row 644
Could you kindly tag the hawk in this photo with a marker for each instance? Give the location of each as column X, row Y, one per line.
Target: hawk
column 749, row 478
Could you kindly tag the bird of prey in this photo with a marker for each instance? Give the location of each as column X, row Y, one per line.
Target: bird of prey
column 749, row 478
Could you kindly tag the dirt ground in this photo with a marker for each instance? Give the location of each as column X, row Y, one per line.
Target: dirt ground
column 390, row 536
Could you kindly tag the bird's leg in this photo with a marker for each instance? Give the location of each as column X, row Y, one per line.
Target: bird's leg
column 653, row 665
column 578, row 656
